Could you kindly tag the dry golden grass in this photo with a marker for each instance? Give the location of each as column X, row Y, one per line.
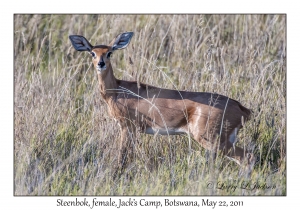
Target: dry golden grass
column 65, row 141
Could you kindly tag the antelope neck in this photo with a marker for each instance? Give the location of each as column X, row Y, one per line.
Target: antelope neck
column 107, row 83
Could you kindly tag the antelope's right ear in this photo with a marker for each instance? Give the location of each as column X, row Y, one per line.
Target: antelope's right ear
column 80, row 43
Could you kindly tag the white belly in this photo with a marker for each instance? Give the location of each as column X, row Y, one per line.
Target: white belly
column 162, row 131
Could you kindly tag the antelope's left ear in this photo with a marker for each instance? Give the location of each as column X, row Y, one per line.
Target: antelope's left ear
column 121, row 41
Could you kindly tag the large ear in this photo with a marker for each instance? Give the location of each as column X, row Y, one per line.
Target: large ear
column 80, row 43
column 121, row 41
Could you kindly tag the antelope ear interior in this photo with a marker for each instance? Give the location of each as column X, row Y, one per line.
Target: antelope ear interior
column 80, row 43
column 121, row 41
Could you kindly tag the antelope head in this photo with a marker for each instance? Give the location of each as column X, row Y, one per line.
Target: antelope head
column 101, row 53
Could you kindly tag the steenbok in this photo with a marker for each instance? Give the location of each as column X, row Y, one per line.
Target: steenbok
column 211, row 119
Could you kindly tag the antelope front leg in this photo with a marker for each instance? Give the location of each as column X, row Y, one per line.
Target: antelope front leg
column 125, row 147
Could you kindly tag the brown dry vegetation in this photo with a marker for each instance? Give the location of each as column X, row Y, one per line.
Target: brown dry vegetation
column 64, row 140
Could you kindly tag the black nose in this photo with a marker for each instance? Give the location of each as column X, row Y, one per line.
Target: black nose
column 101, row 64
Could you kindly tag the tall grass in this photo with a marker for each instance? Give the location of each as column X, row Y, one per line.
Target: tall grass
column 65, row 141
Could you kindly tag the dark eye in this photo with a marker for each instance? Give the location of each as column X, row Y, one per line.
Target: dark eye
column 109, row 55
column 93, row 54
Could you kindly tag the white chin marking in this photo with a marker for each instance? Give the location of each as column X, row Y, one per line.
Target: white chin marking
column 101, row 69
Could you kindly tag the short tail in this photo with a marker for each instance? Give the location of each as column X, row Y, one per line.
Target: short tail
column 246, row 112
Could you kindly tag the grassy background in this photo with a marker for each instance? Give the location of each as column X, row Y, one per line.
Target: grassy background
column 65, row 141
